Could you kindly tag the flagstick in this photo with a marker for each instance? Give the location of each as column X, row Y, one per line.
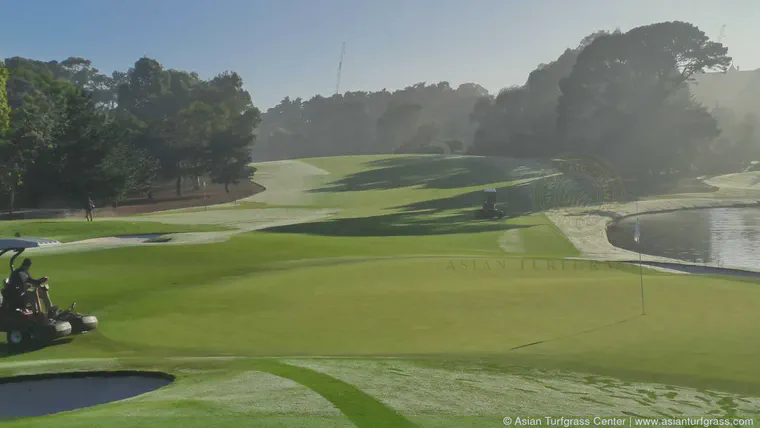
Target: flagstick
column 641, row 269
column 641, row 280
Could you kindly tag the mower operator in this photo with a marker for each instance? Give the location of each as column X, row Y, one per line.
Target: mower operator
column 488, row 205
column 18, row 282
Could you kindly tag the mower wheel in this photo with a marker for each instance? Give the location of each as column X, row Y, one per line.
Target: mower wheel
column 18, row 339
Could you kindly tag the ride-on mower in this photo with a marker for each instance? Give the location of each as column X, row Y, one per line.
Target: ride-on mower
column 489, row 210
column 28, row 326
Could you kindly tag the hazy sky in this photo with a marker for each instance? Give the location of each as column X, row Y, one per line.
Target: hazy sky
column 292, row 47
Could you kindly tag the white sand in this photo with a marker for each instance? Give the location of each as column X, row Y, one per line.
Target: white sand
column 413, row 389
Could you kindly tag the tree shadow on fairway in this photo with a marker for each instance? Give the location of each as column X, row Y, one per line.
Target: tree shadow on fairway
column 437, row 172
column 449, row 215
column 441, row 216
column 516, row 200
column 399, row 224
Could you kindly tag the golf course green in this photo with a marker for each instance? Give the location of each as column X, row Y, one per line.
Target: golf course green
column 390, row 306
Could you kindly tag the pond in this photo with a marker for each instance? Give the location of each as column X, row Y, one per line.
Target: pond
column 45, row 394
column 728, row 237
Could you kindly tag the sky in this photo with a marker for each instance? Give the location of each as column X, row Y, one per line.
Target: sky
column 292, row 47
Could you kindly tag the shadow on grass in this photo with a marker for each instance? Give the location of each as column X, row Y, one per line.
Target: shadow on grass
column 579, row 333
column 454, row 214
column 7, row 351
column 441, row 216
column 399, row 224
column 515, row 200
column 436, row 172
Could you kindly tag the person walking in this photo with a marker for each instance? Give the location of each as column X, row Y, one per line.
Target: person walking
column 89, row 206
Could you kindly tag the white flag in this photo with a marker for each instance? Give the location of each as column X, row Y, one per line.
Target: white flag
column 637, row 232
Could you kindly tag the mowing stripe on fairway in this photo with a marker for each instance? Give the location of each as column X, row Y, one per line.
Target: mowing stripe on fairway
column 360, row 408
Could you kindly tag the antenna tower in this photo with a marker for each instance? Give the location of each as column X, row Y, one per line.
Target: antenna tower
column 722, row 36
column 340, row 68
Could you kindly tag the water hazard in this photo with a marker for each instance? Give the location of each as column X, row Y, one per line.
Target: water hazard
column 38, row 395
column 728, row 237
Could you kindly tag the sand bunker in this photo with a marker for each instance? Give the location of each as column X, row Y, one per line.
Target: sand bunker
column 45, row 394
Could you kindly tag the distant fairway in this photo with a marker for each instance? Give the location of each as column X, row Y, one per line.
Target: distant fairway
column 361, row 293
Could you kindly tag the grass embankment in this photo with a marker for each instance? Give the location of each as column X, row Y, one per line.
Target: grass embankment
column 78, row 230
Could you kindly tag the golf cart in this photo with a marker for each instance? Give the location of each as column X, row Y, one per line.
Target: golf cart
column 489, row 210
column 28, row 325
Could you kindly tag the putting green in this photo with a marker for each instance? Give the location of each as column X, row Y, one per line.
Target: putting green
column 399, row 311
column 464, row 306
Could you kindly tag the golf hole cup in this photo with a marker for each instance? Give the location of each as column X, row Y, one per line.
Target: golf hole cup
column 580, row 183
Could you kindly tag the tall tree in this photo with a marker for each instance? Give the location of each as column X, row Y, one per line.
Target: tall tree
column 623, row 84
column 73, row 130
column 37, row 100
column 228, row 154
column 78, row 149
column 229, row 151
column 520, row 120
column 163, row 100
column 5, row 109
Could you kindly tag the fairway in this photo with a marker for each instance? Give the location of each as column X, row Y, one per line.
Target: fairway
column 360, row 292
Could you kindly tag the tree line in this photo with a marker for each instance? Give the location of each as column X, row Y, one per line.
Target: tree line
column 621, row 96
column 68, row 131
column 420, row 118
